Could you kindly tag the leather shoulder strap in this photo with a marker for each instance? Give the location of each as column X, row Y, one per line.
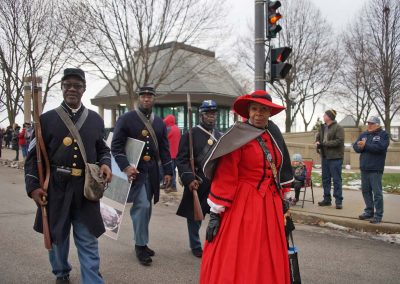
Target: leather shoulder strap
column 73, row 130
column 151, row 130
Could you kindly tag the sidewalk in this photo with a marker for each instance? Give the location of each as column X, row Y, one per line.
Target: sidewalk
column 353, row 205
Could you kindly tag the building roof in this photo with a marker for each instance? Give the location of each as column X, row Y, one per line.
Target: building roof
column 189, row 70
column 348, row 121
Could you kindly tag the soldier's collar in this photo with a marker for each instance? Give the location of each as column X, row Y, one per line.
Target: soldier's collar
column 72, row 112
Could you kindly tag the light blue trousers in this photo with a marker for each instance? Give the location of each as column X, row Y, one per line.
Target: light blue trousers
column 141, row 212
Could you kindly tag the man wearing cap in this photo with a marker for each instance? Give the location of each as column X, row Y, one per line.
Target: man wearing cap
column 143, row 124
column 372, row 145
column 330, row 145
column 205, row 135
column 66, row 204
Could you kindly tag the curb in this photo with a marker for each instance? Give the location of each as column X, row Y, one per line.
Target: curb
column 349, row 222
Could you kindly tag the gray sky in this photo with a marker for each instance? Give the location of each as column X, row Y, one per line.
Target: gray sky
column 241, row 14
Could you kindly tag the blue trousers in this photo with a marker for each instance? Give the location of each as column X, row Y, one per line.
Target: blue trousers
column 371, row 185
column 88, row 253
column 332, row 170
column 141, row 212
column 193, row 230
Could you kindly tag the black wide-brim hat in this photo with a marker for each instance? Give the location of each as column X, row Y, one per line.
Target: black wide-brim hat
column 241, row 105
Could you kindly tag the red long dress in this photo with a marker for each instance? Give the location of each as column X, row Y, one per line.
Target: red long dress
column 250, row 246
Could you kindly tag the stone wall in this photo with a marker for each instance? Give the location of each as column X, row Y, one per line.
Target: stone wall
column 303, row 143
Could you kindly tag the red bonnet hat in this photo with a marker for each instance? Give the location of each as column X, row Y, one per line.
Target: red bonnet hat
column 241, row 105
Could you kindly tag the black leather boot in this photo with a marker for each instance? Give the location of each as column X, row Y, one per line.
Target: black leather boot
column 142, row 255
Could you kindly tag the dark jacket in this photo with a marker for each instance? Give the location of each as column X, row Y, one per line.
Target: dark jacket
column 373, row 155
column 201, row 149
column 333, row 148
column 65, row 192
column 130, row 125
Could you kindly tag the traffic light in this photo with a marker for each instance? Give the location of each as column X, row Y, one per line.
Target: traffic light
column 273, row 17
column 279, row 69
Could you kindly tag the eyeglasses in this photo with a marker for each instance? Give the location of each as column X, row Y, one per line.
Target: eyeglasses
column 68, row 86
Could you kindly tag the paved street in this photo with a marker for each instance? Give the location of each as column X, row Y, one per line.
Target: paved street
column 326, row 256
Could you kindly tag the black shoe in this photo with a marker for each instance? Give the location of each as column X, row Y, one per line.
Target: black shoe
column 325, row 203
column 365, row 217
column 63, row 279
column 149, row 251
column 142, row 255
column 375, row 221
column 197, row 252
column 339, row 206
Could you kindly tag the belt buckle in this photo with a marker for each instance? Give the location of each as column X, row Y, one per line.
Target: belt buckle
column 146, row 158
column 76, row 172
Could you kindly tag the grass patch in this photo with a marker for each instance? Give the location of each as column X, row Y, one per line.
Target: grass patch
column 390, row 181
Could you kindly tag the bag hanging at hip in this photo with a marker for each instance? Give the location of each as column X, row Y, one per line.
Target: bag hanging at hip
column 95, row 185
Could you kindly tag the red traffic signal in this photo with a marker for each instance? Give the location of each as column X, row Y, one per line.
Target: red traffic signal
column 279, row 69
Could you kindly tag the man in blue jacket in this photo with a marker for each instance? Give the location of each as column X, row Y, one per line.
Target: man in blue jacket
column 142, row 124
column 372, row 145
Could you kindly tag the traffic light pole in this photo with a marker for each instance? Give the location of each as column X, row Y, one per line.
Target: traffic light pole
column 259, row 46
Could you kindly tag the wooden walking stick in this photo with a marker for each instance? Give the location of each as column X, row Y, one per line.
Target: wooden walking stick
column 41, row 153
column 198, row 212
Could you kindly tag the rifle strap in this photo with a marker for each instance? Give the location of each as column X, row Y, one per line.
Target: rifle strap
column 149, row 127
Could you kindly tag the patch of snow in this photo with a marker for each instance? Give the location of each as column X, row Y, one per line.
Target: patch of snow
column 354, row 182
column 390, row 238
column 335, row 226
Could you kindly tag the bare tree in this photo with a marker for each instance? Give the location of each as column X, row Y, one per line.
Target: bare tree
column 120, row 38
column 30, row 40
column 381, row 24
column 314, row 58
column 355, row 86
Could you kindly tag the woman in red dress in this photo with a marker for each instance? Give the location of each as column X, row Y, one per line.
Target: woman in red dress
column 246, row 240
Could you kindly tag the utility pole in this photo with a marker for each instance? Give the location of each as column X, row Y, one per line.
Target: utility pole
column 259, row 46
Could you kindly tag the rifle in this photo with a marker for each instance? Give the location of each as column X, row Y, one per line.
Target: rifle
column 41, row 154
column 198, row 212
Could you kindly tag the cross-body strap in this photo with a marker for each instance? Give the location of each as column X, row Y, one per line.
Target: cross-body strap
column 151, row 130
column 73, row 130
column 268, row 155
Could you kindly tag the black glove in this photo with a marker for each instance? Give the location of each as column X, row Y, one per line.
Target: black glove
column 213, row 226
column 285, row 206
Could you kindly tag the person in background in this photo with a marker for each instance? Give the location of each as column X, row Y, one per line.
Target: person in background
column 28, row 132
column 300, row 173
column 15, row 141
column 372, row 146
column 246, row 240
column 23, row 144
column 330, row 145
column 174, row 136
column 204, row 135
column 7, row 137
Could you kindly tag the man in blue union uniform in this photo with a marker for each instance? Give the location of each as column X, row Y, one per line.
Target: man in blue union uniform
column 144, row 125
column 66, row 203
